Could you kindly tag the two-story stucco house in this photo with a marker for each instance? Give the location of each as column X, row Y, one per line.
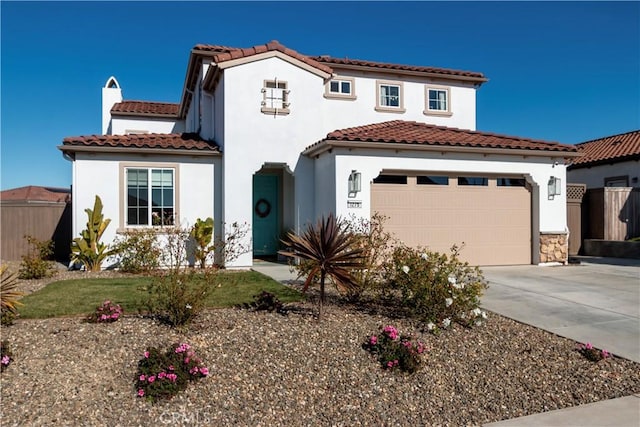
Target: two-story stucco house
column 274, row 138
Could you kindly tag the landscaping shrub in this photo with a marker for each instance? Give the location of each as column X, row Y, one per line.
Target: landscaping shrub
column 266, row 301
column 107, row 312
column 395, row 351
column 161, row 375
column 591, row 353
column 6, row 356
column 87, row 249
column 139, row 251
column 437, row 288
column 235, row 242
column 202, row 234
column 9, row 295
column 35, row 264
column 176, row 296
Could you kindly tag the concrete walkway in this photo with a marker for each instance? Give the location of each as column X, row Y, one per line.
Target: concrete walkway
column 597, row 301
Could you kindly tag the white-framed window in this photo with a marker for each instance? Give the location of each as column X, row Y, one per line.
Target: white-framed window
column 340, row 88
column 390, row 96
column 437, row 100
column 275, row 97
column 150, row 196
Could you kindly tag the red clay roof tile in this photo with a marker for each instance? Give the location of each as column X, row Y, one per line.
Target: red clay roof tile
column 325, row 59
column 146, row 108
column 34, row 193
column 176, row 141
column 622, row 147
column 415, row 133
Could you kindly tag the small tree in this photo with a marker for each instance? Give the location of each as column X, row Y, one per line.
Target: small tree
column 88, row 249
column 330, row 250
column 202, row 234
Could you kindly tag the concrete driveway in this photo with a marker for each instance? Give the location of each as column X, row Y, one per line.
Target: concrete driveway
column 596, row 301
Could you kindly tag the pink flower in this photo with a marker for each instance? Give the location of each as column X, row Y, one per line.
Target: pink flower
column 588, row 346
column 204, row 371
column 407, row 344
column 391, row 332
column 193, row 370
column 152, row 378
column 142, row 377
column 146, row 354
column 605, row 354
column 162, row 375
column 140, row 392
column 5, row 360
column 186, row 360
column 171, row 368
column 389, row 364
column 104, row 317
column 107, row 302
column 172, row 377
column 373, row 340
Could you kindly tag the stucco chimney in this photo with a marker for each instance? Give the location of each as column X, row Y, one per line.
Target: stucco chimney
column 111, row 94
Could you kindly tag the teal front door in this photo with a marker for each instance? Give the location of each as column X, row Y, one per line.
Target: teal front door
column 265, row 215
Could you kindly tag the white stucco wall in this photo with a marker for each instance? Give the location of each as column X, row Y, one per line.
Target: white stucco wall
column 100, row 174
column 551, row 213
column 122, row 125
column 594, row 176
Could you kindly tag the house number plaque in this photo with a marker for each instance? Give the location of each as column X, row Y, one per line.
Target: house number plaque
column 354, row 204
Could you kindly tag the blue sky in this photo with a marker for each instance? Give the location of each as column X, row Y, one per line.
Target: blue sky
column 566, row 72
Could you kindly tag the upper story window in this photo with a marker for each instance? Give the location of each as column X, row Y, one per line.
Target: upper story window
column 340, row 88
column 275, row 97
column 150, row 196
column 437, row 100
column 390, row 96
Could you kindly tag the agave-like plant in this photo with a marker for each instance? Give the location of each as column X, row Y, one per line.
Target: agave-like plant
column 331, row 251
column 9, row 294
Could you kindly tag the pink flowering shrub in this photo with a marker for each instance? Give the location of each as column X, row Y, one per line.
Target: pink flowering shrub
column 161, row 375
column 395, row 351
column 6, row 357
column 106, row 313
column 591, row 353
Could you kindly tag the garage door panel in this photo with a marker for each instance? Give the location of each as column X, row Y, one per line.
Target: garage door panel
column 493, row 222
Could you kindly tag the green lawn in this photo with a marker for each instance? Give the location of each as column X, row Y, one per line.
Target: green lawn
column 82, row 296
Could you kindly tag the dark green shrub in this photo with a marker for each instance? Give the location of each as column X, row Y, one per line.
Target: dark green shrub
column 266, row 301
column 35, row 264
column 139, row 251
column 437, row 288
column 161, row 375
column 107, row 312
column 395, row 351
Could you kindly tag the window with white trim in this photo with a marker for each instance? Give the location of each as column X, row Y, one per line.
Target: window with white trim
column 437, row 100
column 150, row 196
column 340, row 88
column 390, row 96
column 275, row 97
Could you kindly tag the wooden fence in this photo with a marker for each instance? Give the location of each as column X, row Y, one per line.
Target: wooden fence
column 613, row 213
column 575, row 196
column 42, row 220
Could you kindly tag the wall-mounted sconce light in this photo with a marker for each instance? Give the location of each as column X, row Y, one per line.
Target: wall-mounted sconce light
column 354, row 183
column 553, row 187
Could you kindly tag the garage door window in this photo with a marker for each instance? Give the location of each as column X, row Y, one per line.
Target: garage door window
column 510, row 182
column 432, row 180
column 473, row 180
column 390, row 179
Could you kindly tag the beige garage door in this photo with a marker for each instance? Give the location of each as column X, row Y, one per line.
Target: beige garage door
column 491, row 215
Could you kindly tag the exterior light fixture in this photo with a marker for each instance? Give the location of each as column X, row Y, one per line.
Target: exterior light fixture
column 553, row 187
column 354, row 183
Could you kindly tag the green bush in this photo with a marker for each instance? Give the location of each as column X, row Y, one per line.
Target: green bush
column 35, row 264
column 395, row 351
column 176, row 296
column 161, row 375
column 139, row 251
column 437, row 288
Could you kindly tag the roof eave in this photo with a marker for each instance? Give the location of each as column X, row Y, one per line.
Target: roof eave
column 136, row 150
column 327, row 145
column 155, row 115
column 604, row 162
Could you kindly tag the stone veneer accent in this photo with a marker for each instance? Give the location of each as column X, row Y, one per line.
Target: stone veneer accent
column 554, row 247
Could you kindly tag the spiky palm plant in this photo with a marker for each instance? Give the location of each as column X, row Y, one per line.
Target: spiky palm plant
column 330, row 250
column 9, row 294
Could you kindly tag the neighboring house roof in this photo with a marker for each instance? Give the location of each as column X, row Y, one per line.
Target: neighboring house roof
column 33, row 193
column 610, row 149
column 415, row 135
column 190, row 142
column 145, row 108
column 353, row 63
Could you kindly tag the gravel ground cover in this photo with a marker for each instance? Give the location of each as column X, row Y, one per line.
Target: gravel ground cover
column 267, row 369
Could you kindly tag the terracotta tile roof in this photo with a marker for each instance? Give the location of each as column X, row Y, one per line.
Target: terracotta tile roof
column 223, row 53
column 146, row 108
column 176, row 141
column 33, row 193
column 615, row 148
column 415, row 133
column 325, row 59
